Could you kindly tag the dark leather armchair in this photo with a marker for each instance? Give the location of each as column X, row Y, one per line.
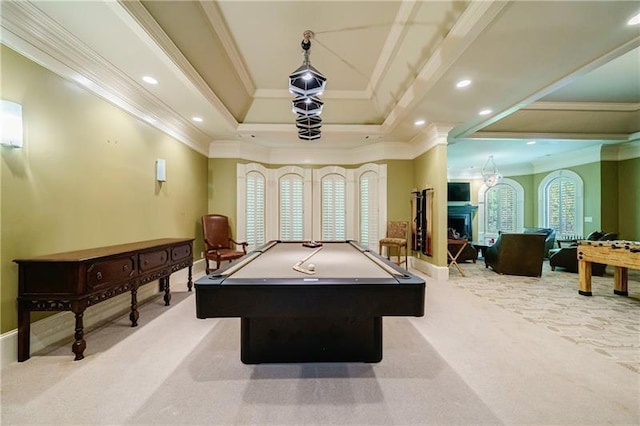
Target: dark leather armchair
column 517, row 254
column 549, row 240
column 219, row 246
column 567, row 257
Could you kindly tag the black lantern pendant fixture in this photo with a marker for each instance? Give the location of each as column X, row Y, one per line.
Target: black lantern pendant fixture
column 307, row 83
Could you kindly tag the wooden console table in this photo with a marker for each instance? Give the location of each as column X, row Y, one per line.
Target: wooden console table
column 620, row 254
column 73, row 281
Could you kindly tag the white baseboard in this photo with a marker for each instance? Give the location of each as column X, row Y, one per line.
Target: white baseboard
column 60, row 327
column 440, row 273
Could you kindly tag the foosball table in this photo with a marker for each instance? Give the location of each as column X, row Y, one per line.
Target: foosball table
column 620, row 254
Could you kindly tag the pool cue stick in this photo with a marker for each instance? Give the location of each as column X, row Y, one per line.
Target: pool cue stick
column 298, row 266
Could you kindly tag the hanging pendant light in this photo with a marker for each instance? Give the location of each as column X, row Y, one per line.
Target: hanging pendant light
column 490, row 174
column 307, row 83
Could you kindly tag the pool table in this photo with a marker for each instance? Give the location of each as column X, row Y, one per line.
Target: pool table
column 328, row 308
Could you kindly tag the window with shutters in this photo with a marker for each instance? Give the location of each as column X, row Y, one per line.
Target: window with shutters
column 561, row 193
column 500, row 202
column 333, row 208
column 500, row 209
column 291, row 207
column 255, row 209
column 295, row 203
column 368, row 197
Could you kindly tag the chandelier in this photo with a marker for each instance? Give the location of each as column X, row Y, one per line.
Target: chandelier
column 490, row 174
column 307, row 83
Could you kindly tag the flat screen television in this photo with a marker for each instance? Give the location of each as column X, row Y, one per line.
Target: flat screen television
column 459, row 192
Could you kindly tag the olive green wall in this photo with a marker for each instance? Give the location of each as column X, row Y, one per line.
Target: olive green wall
column 86, row 176
column 430, row 171
column 609, row 199
column 222, row 188
column 400, row 183
column 629, row 199
column 591, row 179
column 530, row 199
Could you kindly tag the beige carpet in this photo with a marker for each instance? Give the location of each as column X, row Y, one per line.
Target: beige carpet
column 471, row 360
column 606, row 323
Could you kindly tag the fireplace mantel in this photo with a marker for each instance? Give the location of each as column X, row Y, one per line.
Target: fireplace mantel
column 460, row 218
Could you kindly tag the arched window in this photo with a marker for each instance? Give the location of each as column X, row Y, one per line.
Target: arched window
column 500, row 209
column 334, row 213
column 255, row 219
column 291, row 207
column 368, row 219
column 560, row 200
column 294, row 203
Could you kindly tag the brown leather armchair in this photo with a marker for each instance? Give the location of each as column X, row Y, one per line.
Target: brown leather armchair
column 567, row 257
column 549, row 240
column 219, row 246
column 517, row 254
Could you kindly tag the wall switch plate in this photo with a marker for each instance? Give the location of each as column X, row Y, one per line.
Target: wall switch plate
column 588, row 219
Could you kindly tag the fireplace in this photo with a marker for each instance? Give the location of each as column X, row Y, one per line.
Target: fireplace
column 460, row 218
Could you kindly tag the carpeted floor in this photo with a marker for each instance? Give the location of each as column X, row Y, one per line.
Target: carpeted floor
column 606, row 323
column 484, row 353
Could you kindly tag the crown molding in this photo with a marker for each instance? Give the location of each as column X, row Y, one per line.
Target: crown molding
column 584, row 106
column 574, row 158
column 550, row 136
column 218, row 25
column 473, row 20
column 30, row 32
column 244, row 150
column 139, row 13
column 332, row 94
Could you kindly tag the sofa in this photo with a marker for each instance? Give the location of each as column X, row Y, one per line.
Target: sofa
column 567, row 257
column 517, row 254
column 549, row 240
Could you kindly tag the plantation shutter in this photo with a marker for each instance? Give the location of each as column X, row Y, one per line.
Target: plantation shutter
column 255, row 218
column 333, row 208
column 561, row 206
column 368, row 209
column 501, row 205
column 291, row 207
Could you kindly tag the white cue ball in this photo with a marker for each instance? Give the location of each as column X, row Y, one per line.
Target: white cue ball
column 311, row 267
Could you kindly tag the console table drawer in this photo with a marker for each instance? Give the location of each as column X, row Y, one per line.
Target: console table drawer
column 181, row 252
column 154, row 259
column 104, row 274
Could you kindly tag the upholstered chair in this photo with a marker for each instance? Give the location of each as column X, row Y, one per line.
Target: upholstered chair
column 517, row 254
column 396, row 239
column 549, row 240
column 567, row 257
column 219, row 246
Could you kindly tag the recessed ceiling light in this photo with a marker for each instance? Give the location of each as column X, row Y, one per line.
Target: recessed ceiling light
column 149, row 80
column 485, row 112
column 635, row 20
column 531, row 143
column 419, row 122
column 198, row 119
column 463, row 83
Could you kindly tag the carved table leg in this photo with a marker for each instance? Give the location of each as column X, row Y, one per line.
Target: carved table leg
column 134, row 315
column 190, row 282
column 167, row 291
column 79, row 344
column 24, row 332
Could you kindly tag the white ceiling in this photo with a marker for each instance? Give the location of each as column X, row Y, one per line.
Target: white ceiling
column 563, row 73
